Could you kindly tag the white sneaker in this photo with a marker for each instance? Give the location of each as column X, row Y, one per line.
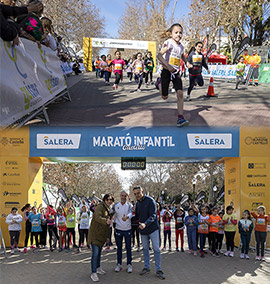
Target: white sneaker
column 101, row 271
column 257, row 258
column 227, row 253
column 94, row 277
column 263, row 258
column 188, row 98
column 242, row 255
column 129, row 268
column 118, row 268
column 138, row 249
column 12, row 251
column 246, row 256
column 172, row 90
column 139, row 90
column 231, row 254
column 16, row 249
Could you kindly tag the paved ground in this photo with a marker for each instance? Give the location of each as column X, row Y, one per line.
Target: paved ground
column 69, row 268
column 93, row 103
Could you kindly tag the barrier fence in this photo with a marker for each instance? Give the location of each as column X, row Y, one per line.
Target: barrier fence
column 30, row 79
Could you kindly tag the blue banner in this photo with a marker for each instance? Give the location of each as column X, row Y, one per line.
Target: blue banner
column 134, row 142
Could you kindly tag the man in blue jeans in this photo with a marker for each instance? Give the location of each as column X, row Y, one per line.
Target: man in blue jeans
column 122, row 218
column 146, row 214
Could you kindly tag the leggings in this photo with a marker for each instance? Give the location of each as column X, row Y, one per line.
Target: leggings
column 147, row 74
column 181, row 234
column 219, row 241
column 260, row 242
column 167, row 234
column 105, row 73
column 27, row 234
column 36, row 234
column 117, row 78
column 135, row 229
column 72, row 231
column 130, row 75
column 213, row 237
column 230, row 240
column 52, row 229
column 139, row 79
column 83, row 233
column 97, row 72
column 14, row 238
column 192, row 80
column 43, row 235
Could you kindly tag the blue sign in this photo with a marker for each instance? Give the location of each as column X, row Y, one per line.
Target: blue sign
column 134, row 142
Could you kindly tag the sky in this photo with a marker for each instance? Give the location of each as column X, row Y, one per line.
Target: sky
column 113, row 9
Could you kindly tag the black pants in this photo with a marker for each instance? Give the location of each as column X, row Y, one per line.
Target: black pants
column 260, row 242
column 166, row 79
column 36, row 235
column 167, row 234
column 43, row 235
column 135, row 230
column 117, row 78
column 130, row 75
column 27, row 234
column 83, row 233
column 72, row 231
column 148, row 73
column 213, row 237
column 219, row 241
column 14, row 238
column 192, row 80
column 230, row 240
column 52, row 229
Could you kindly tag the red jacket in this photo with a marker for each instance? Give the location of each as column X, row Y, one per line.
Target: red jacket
column 261, row 222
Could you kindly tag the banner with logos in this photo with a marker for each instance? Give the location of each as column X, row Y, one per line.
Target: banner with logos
column 66, row 67
column 29, row 78
column 223, row 71
column 134, row 142
column 264, row 73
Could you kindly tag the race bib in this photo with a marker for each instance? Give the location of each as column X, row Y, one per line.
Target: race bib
column 204, row 226
column 261, row 221
column 179, row 219
column 197, row 60
column 35, row 223
column 71, row 220
column 61, row 223
column 51, row 217
column 84, row 217
column 167, row 224
column 118, row 66
column 174, row 59
column 139, row 67
column 150, row 64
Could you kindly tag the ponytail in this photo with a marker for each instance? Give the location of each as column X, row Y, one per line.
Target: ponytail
column 25, row 206
column 166, row 34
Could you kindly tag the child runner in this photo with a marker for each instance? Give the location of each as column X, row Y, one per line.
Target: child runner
column 230, row 223
column 103, row 65
column 14, row 227
column 220, row 234
column 50, row 217
column 43, row 234
column 97, row 68
column 109, row 69
column 35, row 219
column 138, row 66
column 26, row 211
column 149, row 67
column 245, row 226
column 166, row 218
column 214, row 221
column 240, row 69
column 170, row 58
column 260, row 231
column 62, row 226
column 71, row 224
column 119, row 65
column 203, row 228
column 191, row 222
column 196, row 60
column 84, row 220
column 130, row 70
column 179, row 216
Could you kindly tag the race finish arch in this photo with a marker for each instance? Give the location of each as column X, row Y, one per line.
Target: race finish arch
column 244, row 151
column 89, row 43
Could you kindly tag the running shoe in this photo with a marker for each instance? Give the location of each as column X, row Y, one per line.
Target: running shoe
column 107, row 248
column 144, row 271
column 118, row 268
column 32, row 247
column 195, row 253
column 164, row 249
column 101, row 271
column 227, row 253
column 79, row 250
column 114, row 87
column 129, row 268
column 25, row 250
column 242, row 255
column 12, row 251
column 138, row 249
column 60, row 249
column 170, row 249
column 67, row 249
column 263, row 258
column 188, row 99
column 182, row 122
column 139, row 90
column 94, row 277
column 158, row 82
column 172, row 90
column 246, row 256
column 177, row 249
column 231, row 254
column 202, row 255
column 182, row 250
column 257, row 258
column 190, row 251
column 160, row 274
column 16, row 250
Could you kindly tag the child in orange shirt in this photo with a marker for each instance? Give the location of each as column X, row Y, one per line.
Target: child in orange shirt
column 214, row 221
column 260, row 231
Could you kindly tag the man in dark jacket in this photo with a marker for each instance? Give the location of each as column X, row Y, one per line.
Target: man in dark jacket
column 197, row 60
column 9, row 30
column 146, row 214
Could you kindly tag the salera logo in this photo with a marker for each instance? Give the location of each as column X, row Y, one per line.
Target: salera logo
column 58, row 141
column 210, row 141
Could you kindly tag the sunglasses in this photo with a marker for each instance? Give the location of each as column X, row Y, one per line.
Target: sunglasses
column 110, row 199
